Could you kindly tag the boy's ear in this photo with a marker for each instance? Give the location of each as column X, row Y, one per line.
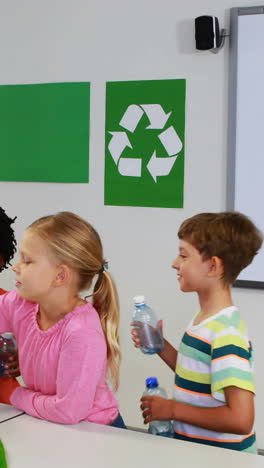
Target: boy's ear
column 216, row 267
column 63, row 275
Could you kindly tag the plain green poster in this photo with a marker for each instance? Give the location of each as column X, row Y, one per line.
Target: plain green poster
column 144, row 143
column 44, row 132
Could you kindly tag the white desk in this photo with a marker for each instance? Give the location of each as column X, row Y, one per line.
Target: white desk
column 8, row 412
column 32, row 443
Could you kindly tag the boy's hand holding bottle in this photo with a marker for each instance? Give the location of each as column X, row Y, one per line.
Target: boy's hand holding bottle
column 156, row 409
column 147, row 330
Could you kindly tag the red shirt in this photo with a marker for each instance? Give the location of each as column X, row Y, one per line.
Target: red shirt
column 2, row 291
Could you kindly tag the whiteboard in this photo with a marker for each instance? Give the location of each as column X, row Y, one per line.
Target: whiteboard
column 245, row 183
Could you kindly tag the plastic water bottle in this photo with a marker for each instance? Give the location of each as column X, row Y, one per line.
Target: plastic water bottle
column 146, row 323
column 161, row 428
column 8, row 347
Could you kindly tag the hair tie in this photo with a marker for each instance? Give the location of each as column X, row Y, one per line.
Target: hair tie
column 103, row 267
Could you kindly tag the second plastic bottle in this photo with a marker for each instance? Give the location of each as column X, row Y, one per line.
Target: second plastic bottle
column 162, row 428
column 146, row 323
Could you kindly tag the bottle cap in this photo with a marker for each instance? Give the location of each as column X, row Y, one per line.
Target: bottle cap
column 7, row 335
column 152, row 382
column 139, row 300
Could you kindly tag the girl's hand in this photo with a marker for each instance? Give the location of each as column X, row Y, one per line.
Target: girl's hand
column 156, row 408
column 12, row 367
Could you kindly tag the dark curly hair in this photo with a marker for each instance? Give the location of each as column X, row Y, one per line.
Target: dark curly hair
column 7, row 239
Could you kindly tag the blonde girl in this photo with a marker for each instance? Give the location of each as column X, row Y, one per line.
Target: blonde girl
column 68, row 348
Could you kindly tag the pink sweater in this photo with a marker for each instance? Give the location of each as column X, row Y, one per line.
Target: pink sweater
column 64, row 367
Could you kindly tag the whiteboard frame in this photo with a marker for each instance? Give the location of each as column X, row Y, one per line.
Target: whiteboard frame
column 232, row 119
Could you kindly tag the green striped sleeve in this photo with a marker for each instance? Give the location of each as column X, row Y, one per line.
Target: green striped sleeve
column 232, row 362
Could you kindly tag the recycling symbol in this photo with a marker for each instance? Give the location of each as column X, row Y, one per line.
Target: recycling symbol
column 157, row 166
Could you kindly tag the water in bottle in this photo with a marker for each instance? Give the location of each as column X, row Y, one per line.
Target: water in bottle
column 146, row 322
column 8, row 347
column 161, row 428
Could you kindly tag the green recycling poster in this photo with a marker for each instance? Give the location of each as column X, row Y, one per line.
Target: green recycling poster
column 144, row 143
column 44, row 132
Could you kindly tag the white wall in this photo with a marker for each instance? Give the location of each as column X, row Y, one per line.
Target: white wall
column 99, row 41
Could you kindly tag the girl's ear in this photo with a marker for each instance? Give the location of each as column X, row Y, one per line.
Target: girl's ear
column 63, row 275
column 216, row 267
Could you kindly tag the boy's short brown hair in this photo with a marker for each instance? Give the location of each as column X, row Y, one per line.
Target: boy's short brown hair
column 229, row 235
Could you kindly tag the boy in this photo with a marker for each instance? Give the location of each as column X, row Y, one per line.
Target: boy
column 214, row 389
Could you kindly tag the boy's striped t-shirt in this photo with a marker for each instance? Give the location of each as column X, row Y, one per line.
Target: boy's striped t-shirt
column 213, row 355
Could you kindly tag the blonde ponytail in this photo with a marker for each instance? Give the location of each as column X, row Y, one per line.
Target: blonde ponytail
column 106, row 302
